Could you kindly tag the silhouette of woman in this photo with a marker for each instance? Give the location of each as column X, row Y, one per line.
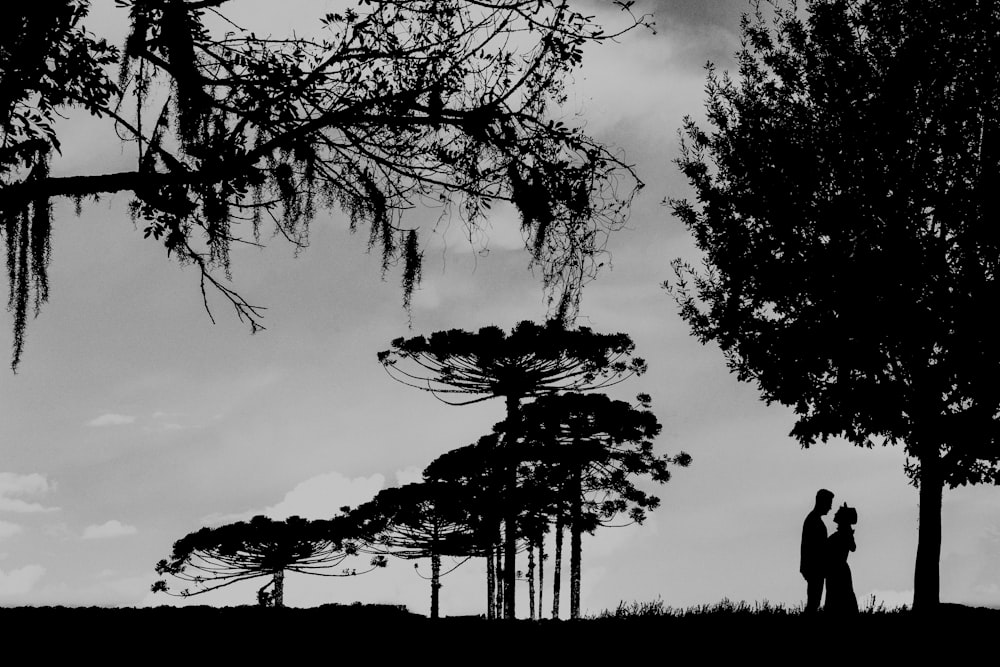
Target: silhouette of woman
column 840, row 597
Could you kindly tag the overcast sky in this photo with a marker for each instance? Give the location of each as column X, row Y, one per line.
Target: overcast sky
column 134, row 420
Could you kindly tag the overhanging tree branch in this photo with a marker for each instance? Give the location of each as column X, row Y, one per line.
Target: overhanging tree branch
column 393, row 102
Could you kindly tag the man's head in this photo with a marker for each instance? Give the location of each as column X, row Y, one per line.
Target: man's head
column 824, row 501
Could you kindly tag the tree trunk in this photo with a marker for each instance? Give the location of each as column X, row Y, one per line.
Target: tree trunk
column 926, row 575
column 498, row 568
column 435, row 585
column 557, row 566
column 510, row 510
column 575, row 545
column 278, row 596
column 531, row 579
column 490, row 585
column 509, row 566
column 541, row 575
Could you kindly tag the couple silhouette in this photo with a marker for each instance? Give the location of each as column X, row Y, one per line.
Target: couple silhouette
column 824, row 559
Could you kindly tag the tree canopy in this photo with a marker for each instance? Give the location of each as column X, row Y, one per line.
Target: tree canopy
column 394, row 104
column 846, row 210
column 609, row 441
column 532, row 360
column 211, row 558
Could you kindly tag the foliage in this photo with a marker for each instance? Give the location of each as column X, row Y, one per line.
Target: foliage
column 476, row 471
column 394, row 104
column 533, row 360
column 846, row 211
column 609, row 442
column 418, row 520
column 211, row 558
column 478, row 474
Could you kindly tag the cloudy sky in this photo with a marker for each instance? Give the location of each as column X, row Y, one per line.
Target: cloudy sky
column 134, row 420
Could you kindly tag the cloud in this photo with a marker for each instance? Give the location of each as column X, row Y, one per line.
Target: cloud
column 168, row 421
column 16, row 485
column 21, row 580
column 319, row 497
column 7, row 529
column 59, row 531
column 13, row 484
column 322, row 496
column 410, row 475
column 111, row 419
column 112, row 528
column 18, row 505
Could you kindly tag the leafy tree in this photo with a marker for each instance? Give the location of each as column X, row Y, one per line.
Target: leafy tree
column 846, row 207
column 394, row 103
column 588, row 449
column 420, row 520
column 211, row 558
column 533, row 360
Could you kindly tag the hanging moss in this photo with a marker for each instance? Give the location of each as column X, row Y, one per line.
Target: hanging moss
column 412, row 267
column 27, row 233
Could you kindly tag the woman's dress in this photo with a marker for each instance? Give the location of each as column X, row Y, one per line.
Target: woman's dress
column 840, row 597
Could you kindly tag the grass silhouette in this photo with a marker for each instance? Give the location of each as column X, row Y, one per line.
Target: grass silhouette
column 658, row 608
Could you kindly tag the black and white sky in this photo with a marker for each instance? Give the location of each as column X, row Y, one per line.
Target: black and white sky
column 134, row 420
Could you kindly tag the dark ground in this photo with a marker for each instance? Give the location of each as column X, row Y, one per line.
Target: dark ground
column 377, row 635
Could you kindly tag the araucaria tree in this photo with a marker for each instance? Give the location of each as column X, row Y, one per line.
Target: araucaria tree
column 421, row 520
column 477, row 471
column 390, row 104
column 533, row 360
column 847, row 211
column 211, row 558
column 587, row 451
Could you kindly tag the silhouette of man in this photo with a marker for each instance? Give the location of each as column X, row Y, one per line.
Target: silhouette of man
column 813, row 555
